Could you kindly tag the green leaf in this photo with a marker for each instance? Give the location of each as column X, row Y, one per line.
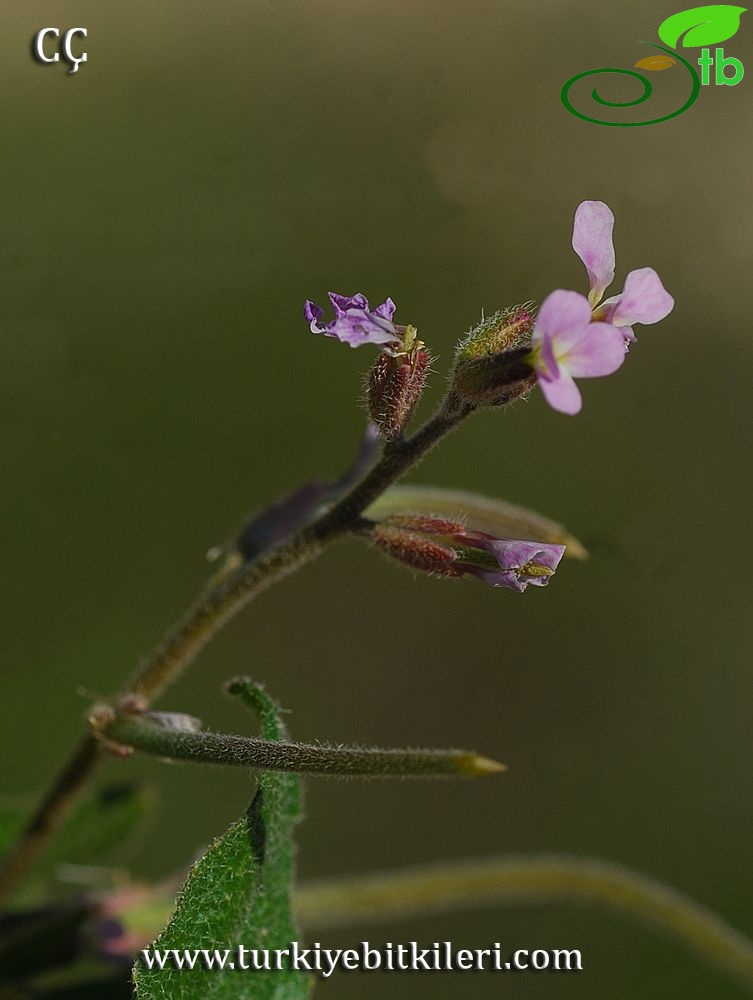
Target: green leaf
column 496, row 517
column 239, row 892
column 701, row 25
column 99, row 824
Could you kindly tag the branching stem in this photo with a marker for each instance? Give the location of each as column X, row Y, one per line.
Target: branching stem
column 216, row 606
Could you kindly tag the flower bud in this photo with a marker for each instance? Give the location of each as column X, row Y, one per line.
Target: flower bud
column 415, row 550
column 491, row 363
column 394, row 385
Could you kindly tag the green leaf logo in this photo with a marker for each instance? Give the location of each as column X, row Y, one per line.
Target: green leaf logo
column 701, row 26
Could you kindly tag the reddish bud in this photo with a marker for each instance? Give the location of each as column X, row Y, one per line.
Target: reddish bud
column 394, row 387
column 416, row 550
column 425, row 524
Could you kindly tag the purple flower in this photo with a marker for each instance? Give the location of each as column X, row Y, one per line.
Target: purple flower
column 568, row 345
column 444, row 547
column 643, row 299
column 355, row 323
column 520, row 563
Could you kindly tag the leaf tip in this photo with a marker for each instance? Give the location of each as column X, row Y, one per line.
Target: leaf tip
column 474, row 766
column 574, row 549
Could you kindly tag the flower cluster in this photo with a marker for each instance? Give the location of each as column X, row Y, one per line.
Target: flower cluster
column 574, row 336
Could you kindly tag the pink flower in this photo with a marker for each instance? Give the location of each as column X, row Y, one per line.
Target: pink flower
column 579, row 337
column 568, row 345
column 643, row 299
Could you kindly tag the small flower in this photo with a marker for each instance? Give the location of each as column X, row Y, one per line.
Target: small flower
column 643, row 299
column 355, row 323
column 443, row 547
column 519, row 563
column 575, row 337
column 568, row 345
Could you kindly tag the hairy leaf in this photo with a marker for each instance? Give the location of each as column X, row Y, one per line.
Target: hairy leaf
column 238, row 893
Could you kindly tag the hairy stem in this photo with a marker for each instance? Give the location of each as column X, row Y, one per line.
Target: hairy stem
column 216, row 606
column 527, row 879
column 201, row 747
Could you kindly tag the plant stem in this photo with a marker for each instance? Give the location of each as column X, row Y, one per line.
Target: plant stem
column 201, row 747
column 222, row 602
column 536, row 879
column 216, row 606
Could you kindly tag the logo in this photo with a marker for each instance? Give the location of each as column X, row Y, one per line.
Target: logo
column 62, row 48
column 700, row 27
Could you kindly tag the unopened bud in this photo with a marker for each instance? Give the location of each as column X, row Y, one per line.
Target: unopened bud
column 395, row 383
column 425, row 524
column 415, row 550
column 491, row 363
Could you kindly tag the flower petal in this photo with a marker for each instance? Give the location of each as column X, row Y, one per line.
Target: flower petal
column 562, row 319
column 600, row 350
column 643, row 300
column 561, row 314
column 341, row 303
column 386, row 310
column 592, row 241
column 498, row 578
column 517, row 561
column 562, row 393
column 313, row 313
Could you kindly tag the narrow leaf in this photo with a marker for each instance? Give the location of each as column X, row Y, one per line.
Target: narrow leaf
column 238, row 893
column 292, row 512
column 701, row 26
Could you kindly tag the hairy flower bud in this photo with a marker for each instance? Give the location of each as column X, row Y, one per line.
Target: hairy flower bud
column 492, row 366
column 395, row 383
column 415, row 550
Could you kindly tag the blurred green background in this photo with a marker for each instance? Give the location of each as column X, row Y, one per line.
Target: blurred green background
column 163, row 215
